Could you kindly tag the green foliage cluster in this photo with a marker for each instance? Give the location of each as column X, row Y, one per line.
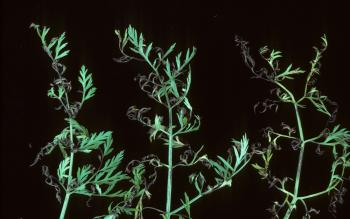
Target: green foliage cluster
column 75, row 139
column 334, row 140
column 167, row 82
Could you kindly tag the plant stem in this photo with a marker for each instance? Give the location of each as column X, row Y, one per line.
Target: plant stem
column 64, row 206
column 170, row 164
column 300, row 164
column 196, row 198
column 71, row 161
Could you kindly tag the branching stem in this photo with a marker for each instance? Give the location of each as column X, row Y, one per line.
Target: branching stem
column 300, row 163
column 71, row 161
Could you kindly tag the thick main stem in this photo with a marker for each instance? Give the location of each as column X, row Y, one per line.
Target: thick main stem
column 170, row 165
column 64, row 206
column 300, row 164
column 70, row 172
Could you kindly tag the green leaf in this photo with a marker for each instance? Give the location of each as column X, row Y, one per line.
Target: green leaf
column 80, row 131
column 243, row 146
column 187, row 205
column 315, row 63
column 61, row 92
column 167, row 69
column 51, row 93
column 140, row 44
column 187, row 104
column 169, row 51
column 60, row 46
column 104, row 174
column 263, row 170
column 267, row 157
column 274, row 56
column 289, row 73
column 107, row 149
column 182, row 119
column 62, row 171
column 98, row 188
column 318, row 101
column 83, row 173
column 87, row 84
column 338, row 136
column 44, row 33
column 109, row 176
column 132, row 33
column 198, row 180
column 94, row 141
column 138, row 173
column 177, row 143
column 156, row 127
column 148, row 50
column 189, row 56
column 178, row 61
column 226, row 164
column 257, row 166
column 52, row 43
column 220, row 170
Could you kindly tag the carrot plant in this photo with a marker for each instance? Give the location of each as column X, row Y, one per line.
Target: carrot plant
column 334, row 140
column 168, row 83
column 72, row 178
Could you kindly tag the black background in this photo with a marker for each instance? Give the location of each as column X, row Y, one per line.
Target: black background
column 222, row 92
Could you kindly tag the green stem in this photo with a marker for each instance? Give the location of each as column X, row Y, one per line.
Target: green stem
column 330, row 187
column 200, row 195
column 300, row 164
column 292, row 205
column 170, row 164
column 71, row 161
column 319, row 193
column 64, row 206
column 289, row 211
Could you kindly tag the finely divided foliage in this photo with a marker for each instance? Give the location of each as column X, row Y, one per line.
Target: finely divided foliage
column 168, row 83
column 75, row 139
column 335, row 140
